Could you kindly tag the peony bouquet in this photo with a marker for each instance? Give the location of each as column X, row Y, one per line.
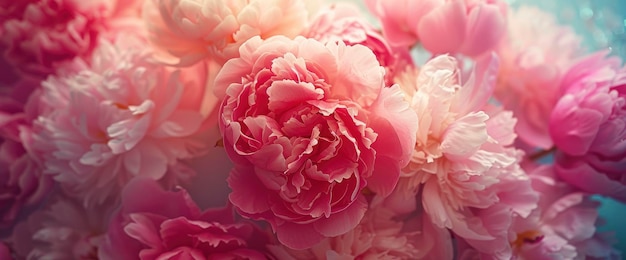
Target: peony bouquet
column 299, row 129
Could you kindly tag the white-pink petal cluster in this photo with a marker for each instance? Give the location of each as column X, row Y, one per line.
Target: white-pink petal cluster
column 119, row 117
column 463, row 163
column 191, row 30
column 533, row 59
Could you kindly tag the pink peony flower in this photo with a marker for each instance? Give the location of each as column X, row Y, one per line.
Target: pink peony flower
column 191, row 30
column 468, row 27
column 561, row 227
column 588, row 125
column 308, row 126
column 463, row 164
column 342, row 22
column 65, row 229
column 39, row 35
column 22, row 183
column 158, row 224
column 534, row 57
column 120, row 117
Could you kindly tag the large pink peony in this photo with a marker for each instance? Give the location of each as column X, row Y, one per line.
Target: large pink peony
column 64, row 229
column 308, row 127
column 38, row 35
column 191, row 30
column 464, row 165
column 120, row 117
column 157, row 224
column 469, row 27
column 343, row 22
column 22, row 182
column 588, row 126
column 534, row 56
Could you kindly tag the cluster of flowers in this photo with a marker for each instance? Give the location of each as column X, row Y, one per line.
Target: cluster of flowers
column 295, row 129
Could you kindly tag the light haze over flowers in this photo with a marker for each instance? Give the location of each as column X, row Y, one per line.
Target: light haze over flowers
column 308, row 126
column 534, row 56
column 463, row 165
column 120, row 117
column 158, row 224
column 39, row 35
column 588, row 126
column 64, row 229
column 469, row 27
column 191, row 30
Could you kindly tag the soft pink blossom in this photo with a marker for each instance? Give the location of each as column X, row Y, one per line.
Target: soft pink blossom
column 343, row 22
column 119, row 117
column 22, row 183
column 534, row 56
column 64, row 229
column 469, row 27
column 588, row 125
column 561, row 227
column 464, row 165
column 191, row 30
column 39, row 35
column 308, row 126
column 157, row 224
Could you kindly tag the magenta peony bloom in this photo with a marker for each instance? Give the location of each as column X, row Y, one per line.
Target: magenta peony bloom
column 191, row 30
column 158, row 224
column 64, row 229
column 469, row 27
column 534, row 56
column 342, row 22
column 39, row 35
column 308, row 127
column 588, row 126
column 464, row 165
column 120, row 117
column 22, row 182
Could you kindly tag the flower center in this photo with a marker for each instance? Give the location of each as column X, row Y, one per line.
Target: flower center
column 527, row 237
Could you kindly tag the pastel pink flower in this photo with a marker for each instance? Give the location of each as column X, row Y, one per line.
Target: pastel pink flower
column 119, row 117
column 464, row 165
column 308, row 127
column 588, row 125
column 342, row 22
column 191, row 30
column 64, row 229
column 467, row 27
column 38, row 35
column 158, row 224
column 22, row 183
column 534, row 56
column 561, row 227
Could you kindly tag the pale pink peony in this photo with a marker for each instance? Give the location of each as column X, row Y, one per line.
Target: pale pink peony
column 157, row 224
column 342, row 22
column 469, row 27
column 39, row 35
column 588, row 125
column 22, row 182
column 64, row 229
column 308, row 126
column 191, row 30
column 533, row 59
column 120, row 117
column 561, row 227
column 464, row 164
